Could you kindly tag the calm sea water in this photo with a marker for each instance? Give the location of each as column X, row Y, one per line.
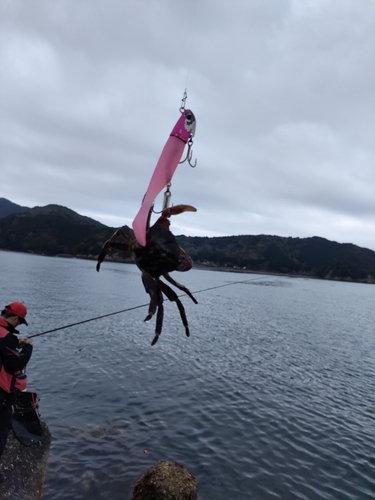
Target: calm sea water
column 272, row 396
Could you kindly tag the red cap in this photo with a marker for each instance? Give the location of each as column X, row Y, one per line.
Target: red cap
column 18, row 309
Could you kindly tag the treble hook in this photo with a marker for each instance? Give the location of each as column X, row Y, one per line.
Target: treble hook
column 189, row 154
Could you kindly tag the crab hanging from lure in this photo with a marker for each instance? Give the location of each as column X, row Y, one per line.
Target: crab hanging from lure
column 160, row 256
column 155, row 248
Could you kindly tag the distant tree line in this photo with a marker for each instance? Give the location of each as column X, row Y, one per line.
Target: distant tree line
column 56, row 230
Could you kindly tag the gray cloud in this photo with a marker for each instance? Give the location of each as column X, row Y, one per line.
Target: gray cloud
column 282, row 91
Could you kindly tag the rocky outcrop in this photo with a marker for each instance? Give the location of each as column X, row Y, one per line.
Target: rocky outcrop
column 166, row 481
column 24, row 468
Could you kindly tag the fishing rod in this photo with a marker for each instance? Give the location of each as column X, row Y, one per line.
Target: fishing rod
column 84, row 321
column 132, row 308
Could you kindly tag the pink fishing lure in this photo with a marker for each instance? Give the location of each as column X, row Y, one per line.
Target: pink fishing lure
column 164, row 170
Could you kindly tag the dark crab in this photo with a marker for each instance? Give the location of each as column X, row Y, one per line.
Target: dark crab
column 159, row 257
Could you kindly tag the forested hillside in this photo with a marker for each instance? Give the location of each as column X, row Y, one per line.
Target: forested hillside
column 56, row 230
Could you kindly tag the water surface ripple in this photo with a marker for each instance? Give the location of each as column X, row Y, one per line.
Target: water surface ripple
column 272, row 396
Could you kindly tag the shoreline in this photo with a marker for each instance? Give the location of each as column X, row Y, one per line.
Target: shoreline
column 208, row 268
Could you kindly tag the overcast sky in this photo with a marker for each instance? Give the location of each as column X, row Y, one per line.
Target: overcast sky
column 283, row 92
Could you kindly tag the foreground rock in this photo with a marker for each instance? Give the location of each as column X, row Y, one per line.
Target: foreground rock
column 166, row 481
column 24, row 468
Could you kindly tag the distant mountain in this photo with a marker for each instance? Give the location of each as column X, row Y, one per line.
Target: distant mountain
column 8, row 208
column 313, row 256
column 57, row 230
column 51, row 230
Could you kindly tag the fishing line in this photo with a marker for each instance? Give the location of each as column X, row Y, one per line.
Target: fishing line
column 194, row 37
column 133, row 308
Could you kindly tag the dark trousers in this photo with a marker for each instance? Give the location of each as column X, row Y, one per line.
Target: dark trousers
column 5, row 424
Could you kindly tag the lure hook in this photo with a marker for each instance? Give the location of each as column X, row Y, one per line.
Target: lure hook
column 167, row 196
column 189, row 154
column 183, row 102
column 166, row 199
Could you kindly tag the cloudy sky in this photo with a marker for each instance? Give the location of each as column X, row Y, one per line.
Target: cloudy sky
column 283, row 92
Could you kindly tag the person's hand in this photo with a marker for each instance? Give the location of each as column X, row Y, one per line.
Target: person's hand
column 24, row 341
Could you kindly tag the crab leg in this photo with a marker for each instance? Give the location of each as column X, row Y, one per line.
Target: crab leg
column 156, row 303
column 122, row 239
column 159, row 324
column 164, row 170
column 172, row 296
column 181, row 287
column 156, row 297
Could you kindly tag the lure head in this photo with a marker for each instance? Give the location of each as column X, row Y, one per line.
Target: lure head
column 185, row 127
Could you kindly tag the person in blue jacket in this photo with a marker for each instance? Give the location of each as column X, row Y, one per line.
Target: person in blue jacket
column 14, row 355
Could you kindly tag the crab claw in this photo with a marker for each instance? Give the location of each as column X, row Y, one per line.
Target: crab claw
column 122, row 239
column 177, row 209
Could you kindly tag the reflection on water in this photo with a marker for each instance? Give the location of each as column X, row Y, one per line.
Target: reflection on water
column 271, row 397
